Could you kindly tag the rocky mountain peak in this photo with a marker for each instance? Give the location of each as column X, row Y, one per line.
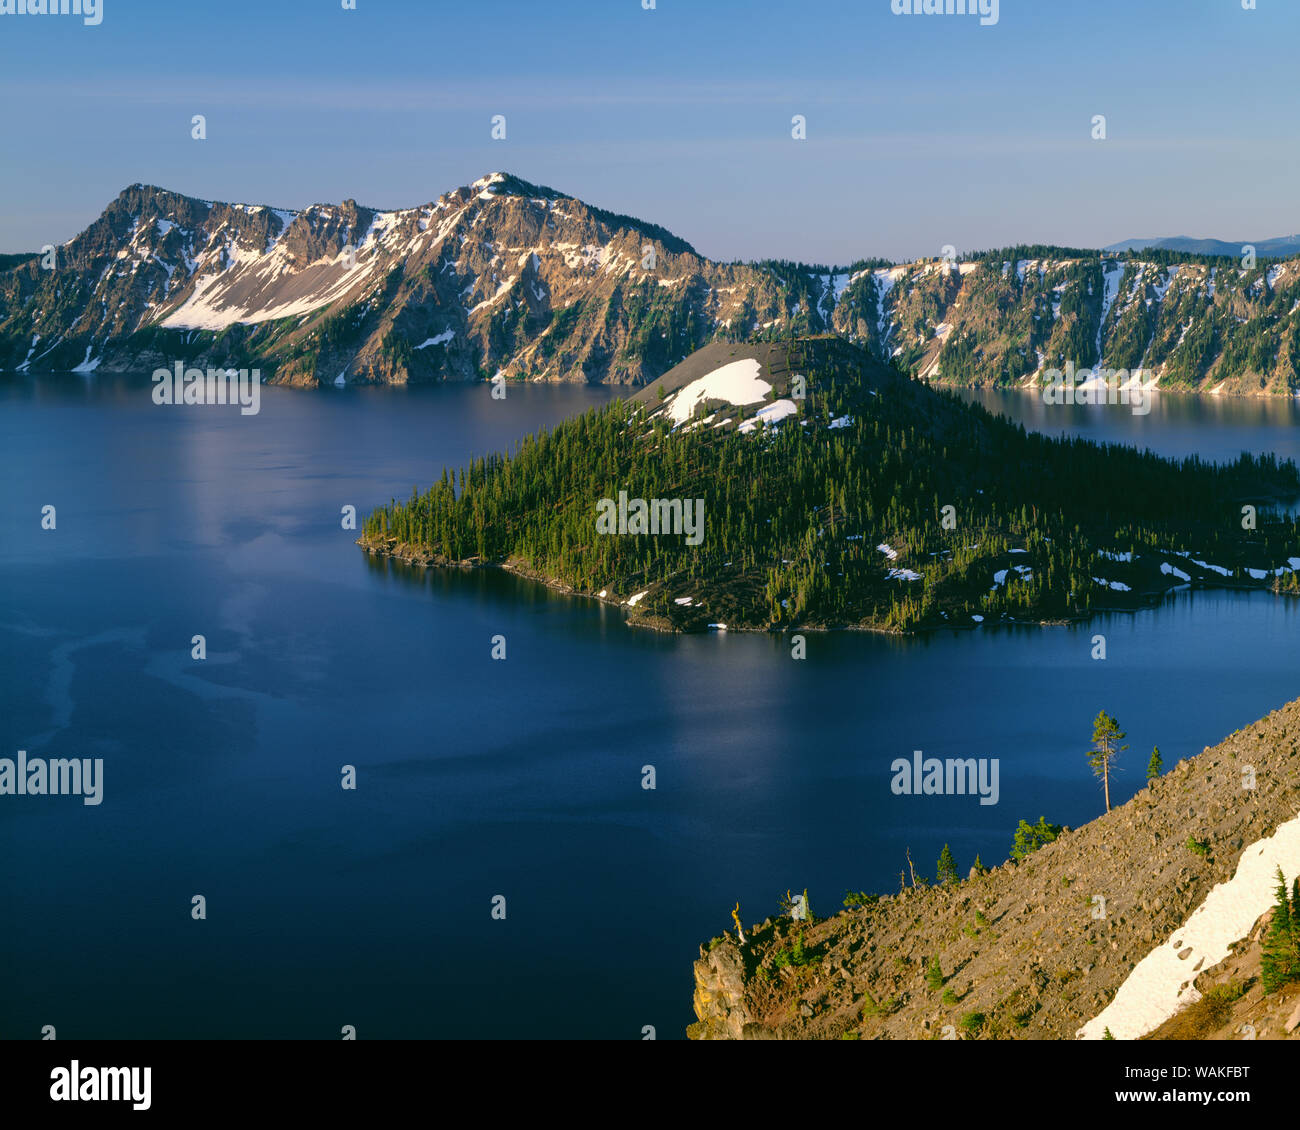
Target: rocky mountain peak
column 511, row 277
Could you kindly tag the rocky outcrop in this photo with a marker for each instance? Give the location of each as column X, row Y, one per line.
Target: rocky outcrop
column 720, row 997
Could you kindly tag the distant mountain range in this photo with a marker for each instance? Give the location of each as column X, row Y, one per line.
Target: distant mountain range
column 1283, row 247
column 504, row 277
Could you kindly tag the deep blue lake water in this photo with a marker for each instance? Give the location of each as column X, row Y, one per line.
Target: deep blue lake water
column 476, row 777
column 1214, row 427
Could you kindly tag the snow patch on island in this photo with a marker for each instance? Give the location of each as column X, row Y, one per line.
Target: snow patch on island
column 737, row 383
column 770, row 414
column 1118, row 586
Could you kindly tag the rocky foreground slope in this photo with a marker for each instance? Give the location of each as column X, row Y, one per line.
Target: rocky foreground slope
column 504, row 277
column 1022, row 954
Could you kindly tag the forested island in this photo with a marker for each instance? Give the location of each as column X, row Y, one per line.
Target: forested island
column 840, row 493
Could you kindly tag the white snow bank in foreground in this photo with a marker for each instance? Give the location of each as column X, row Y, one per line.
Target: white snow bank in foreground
column 1162, row 982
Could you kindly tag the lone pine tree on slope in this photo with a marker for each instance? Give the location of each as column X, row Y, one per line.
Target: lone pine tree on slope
column 1106, row 738
column 946, row 868
column 1156, row 765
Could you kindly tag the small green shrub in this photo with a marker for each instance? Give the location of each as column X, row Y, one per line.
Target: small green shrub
column 1030, row 837
column 860, row 898
column 796, row 955
column 934, row 975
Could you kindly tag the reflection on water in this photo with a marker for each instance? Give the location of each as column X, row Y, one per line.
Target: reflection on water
column 1215, row 427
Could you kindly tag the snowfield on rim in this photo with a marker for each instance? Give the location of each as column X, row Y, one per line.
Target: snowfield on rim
column 1162, row 981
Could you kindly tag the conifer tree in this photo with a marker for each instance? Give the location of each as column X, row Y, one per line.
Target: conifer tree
column 1106, row 747
column 946, row 868
column 1280, row 959
column 1030, row 837
column 1155, row 766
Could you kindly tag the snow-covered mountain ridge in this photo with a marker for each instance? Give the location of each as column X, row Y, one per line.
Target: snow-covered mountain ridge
column 506, row 277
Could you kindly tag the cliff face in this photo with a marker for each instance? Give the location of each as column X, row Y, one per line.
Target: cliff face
column 1188, row 326
column 1024, row 949
column 506, row 277
column 720, row 997
column 499, row 277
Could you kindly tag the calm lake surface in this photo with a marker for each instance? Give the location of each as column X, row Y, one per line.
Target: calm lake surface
column 1214, row 427
column 479, row 778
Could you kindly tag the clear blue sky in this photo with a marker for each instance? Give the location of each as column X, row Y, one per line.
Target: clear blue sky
column 922, row 130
